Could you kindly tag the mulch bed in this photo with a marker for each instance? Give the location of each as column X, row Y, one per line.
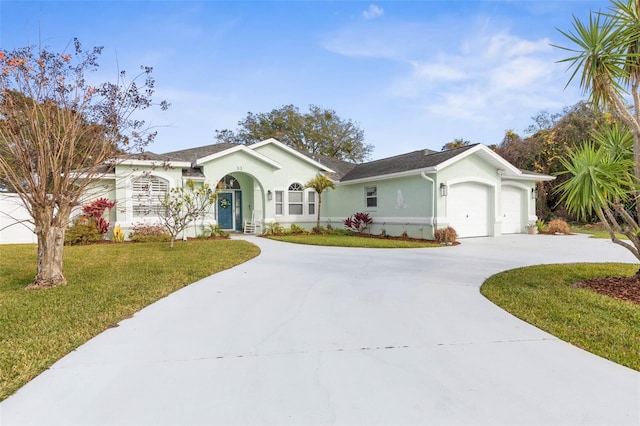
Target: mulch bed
column 624, row 288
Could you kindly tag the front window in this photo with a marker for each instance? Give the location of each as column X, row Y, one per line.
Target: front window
column 371, row 196
column 311, row 201
column 148, row 194
column 279, row 202
column 296, row 199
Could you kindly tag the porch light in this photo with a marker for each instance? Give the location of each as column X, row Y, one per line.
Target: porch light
column 269, row 195
column 444, row 190
column 534, row 194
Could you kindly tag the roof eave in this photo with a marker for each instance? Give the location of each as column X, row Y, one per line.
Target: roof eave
column 154, row 163
column 536, row 177
column 396, row 175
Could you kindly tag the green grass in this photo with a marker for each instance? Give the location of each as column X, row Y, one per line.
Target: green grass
column 543, row 296
column 341, row 240
column 596, row 231
column 106, row 284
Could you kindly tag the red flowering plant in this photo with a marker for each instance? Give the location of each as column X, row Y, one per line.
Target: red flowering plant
column 358, row 223
column 90, row 226
column 95, row 210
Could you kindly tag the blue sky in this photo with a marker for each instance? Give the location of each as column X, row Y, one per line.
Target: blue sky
column 412, row 74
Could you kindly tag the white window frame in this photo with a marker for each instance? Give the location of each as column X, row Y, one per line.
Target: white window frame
column 279, row 202
column 371, row 194
column 312, row 202
column 296, row 189
column 306, row 202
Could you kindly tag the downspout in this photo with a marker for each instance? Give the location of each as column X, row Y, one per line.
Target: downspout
column 433, row 205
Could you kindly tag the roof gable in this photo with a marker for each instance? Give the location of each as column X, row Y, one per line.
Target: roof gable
column 235, row 149
column 299, row 155
column 487, row 155
column 433, row 161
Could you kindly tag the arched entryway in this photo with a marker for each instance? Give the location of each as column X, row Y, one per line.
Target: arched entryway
column 240, row 194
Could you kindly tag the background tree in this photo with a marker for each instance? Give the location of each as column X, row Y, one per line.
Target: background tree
column 185, row 204
column 319, row 131
column 606, row 59
column 52, row 120
column 319, row 184
column 553, row 135
column 456, row 143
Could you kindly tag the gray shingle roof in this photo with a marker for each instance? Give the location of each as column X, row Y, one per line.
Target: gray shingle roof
column 340, row 167
column 415, row 160
column 344, row 170
column 192, row 154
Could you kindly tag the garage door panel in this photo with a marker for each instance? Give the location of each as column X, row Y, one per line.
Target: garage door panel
column 512, row 210
column 468, row 209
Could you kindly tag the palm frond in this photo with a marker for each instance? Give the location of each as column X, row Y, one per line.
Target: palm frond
column 599, row 60
column 597, row 180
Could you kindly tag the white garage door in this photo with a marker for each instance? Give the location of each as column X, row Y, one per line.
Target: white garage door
column 512, row 210
column 468, row 209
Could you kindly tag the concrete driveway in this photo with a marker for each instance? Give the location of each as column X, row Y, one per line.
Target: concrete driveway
column 322, row 335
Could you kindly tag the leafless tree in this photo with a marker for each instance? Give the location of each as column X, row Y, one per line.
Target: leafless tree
column 57, row 134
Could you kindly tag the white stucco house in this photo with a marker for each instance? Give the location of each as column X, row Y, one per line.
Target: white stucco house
column 471, row 189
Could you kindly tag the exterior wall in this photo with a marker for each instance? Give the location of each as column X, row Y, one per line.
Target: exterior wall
column 16, row 224
column 125, row 175
column 15, row 221
column 403, row 205
column 250, row 173
column 294, row 170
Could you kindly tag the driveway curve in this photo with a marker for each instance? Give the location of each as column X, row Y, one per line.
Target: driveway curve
column 326, row 335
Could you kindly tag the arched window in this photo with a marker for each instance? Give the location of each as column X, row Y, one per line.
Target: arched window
column 296, row 199
column 148, row 194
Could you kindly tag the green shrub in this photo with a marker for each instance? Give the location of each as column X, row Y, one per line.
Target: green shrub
column 83, row 230
column 213, row 231
column 540, row 225
column 149, row 233
column 296, row 230
column 273, row 228
column 446, row 235
column 558, row 226
column 90, row 226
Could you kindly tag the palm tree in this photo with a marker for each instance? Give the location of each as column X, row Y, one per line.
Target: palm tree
column 319, row 184
column 606, row 59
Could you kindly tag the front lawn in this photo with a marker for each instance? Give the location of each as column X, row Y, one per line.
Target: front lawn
column 544, row 296
column 595, row 230
column 343, row 240
column 106, row 284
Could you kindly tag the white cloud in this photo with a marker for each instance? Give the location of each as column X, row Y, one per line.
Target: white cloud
column 372, row 12
column 394, row 41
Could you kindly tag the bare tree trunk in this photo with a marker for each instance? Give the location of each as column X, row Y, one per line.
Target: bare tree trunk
column 50, row 245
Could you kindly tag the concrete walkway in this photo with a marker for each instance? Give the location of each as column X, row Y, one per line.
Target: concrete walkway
column 322, row 335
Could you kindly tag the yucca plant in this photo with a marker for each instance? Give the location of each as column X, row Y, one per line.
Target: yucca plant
column 605, row 172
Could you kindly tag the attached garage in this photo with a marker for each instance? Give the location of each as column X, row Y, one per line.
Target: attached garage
column 469, row 209
column 513, row 210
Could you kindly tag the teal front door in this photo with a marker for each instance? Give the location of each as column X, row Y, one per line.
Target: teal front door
column 225, row 210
